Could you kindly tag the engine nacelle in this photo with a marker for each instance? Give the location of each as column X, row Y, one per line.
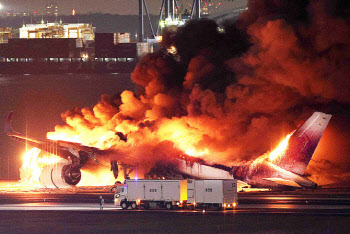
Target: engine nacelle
column 60, row 175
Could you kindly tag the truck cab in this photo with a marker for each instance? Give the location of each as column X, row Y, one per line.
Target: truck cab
column 120, row 194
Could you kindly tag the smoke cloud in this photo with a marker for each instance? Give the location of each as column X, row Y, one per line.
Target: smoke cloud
column 230, row 96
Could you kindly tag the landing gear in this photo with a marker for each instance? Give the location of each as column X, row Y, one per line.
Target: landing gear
column 116, row 167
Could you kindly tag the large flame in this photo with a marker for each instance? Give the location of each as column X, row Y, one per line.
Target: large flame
column 273, row 155
column 282, row 146
column 99, row 177
column 226, row 96
column 33, row 162
column 184, row 137
column 30, row 170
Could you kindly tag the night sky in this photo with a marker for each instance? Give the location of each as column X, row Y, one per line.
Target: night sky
column 124, row 7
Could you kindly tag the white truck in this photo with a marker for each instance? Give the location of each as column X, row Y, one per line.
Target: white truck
column 169, row 194
column 151, row 193
column 212, row 194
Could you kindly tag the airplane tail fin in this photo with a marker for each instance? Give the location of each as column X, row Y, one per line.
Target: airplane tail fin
column 302, row 144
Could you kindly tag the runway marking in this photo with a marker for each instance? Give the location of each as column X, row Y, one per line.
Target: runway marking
column 47, row 206
column 247, row 209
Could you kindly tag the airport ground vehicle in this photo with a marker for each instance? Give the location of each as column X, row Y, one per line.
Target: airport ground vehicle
column 212, row 194
column 170, row 194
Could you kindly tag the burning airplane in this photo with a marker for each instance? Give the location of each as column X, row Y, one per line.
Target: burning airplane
column 284, row 167
column 224, row 99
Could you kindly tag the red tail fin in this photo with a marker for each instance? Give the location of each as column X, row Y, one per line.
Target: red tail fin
column 302, row 144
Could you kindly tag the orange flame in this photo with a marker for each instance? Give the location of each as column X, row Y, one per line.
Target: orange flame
column 273, row 155
column 33, row 161
column 30, row 170
column 184, row 137
column 100, row 177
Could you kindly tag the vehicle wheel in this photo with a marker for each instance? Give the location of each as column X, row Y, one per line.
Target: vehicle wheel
column 124, row 205
column 133, row 205
column 168, row 206
column 146, row 206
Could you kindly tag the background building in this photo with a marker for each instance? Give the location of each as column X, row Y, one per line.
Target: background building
column 52, row 8
column 56, row 30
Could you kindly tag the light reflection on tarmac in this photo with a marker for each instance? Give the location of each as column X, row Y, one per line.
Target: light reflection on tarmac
column 243, row 208
column 58, row 206
column 16, row 196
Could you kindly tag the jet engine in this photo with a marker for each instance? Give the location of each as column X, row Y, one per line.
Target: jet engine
column 60, row 175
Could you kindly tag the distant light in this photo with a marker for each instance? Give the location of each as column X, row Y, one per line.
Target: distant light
column 73, row 12
column 0, row 6
column 159, row 38
column 136, row 178
column 172, row 50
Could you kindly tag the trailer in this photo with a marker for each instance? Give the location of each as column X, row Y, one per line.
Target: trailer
column 171, row 194
column 147, row 194
column 212, row 194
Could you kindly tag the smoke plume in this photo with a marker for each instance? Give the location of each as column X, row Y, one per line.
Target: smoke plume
column 230, row 95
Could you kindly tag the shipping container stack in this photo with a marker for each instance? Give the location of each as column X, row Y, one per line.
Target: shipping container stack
column 41, row 48
column 104, row 45
column 121, row 38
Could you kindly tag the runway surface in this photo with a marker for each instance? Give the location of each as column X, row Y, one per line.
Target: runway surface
column 89, row 219
column 72, row 211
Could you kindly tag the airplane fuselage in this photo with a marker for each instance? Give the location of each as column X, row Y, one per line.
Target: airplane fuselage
column 256, row 176
column 288, row 170
column 263, row 174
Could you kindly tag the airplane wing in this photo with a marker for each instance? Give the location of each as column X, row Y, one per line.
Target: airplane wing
column 17, row 136
column 283, row 182
column 64, row 149
column 76, row 154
